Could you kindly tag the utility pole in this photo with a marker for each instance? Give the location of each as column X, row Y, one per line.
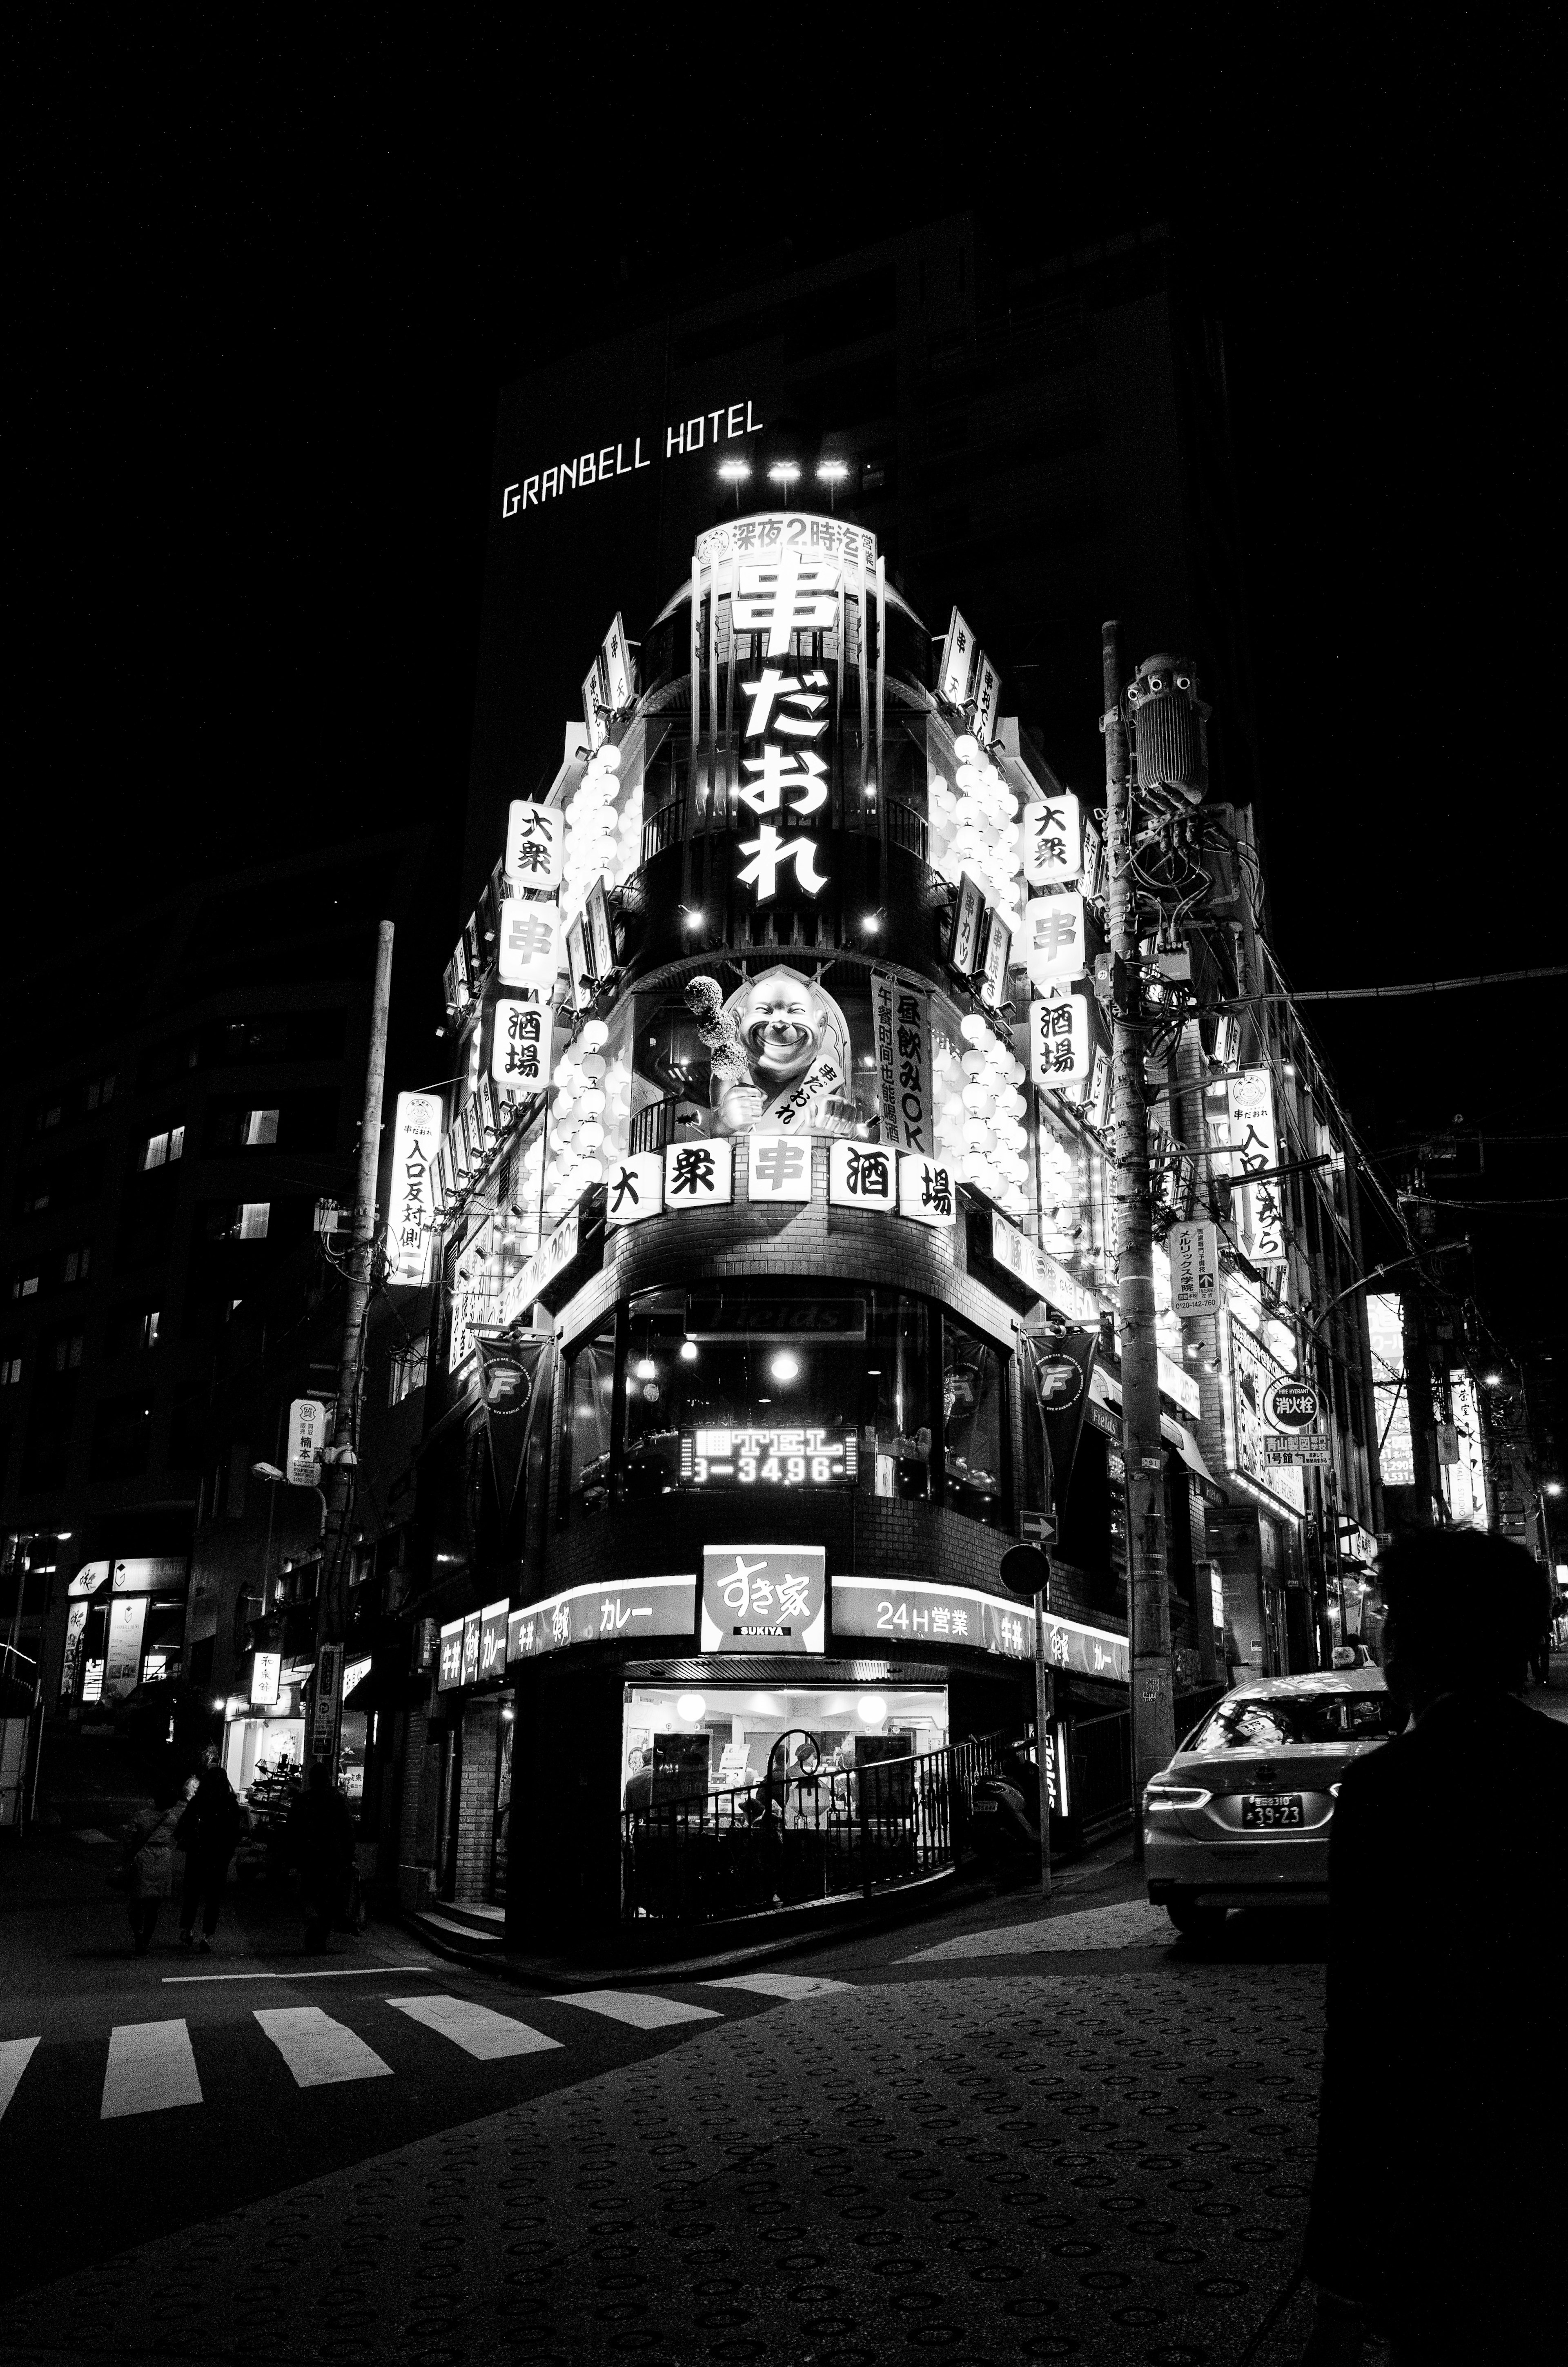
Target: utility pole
column 337, row 1475
column 1148, row 1607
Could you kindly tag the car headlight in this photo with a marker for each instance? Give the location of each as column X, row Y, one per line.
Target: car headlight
column 1334, row 1790
column 1160, row 1795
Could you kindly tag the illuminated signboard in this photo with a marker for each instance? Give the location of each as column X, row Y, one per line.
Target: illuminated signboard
column 918, row 1611
column 748, row 1318
column 764, row 1598
column 626, row 1610
column 777, row 1456
column 411, row 1212
column 450, row 1671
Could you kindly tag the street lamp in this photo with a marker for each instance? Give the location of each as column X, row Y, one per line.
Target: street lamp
column 785, row 473
column 832, row 474
column 735, row 475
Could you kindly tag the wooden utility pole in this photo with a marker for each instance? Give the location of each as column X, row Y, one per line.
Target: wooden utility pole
column 1148, row 1607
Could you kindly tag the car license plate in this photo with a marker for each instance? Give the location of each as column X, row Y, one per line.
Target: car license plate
column 1268, row 1809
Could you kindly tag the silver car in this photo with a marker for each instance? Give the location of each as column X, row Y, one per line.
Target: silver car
column 1241, row 1815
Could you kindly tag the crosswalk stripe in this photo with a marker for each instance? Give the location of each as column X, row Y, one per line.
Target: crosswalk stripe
column 318, row 2050
column 477, row 2029
column 779, row 1984
column 642, row 2012
column 13, row 2054
column 150, row 2069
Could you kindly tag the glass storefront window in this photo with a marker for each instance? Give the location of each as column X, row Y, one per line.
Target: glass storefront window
column 764, row 1388
column 588, row 1414
column 974, row 1423
column 681, row 1742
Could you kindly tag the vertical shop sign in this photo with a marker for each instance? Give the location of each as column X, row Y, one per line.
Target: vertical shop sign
column 1053, row 840
column 266, row 1668
column 528, row 955
column 470, row 1647
column 450, row 1669
column 76, row 1634
column 491, row 1659
column 323, row 1705
column 1194, row 1268
column 601, row 937
column 615, row 665
column 1059, row 1040
column 416, row 1134
column 901, row 1019
column 995, row 951
column 958, row 663
column 532, row 859
column 593, row 709
column 1055, row 939
column 969, row 912
column 307, row 1436
column 1255, row 1151
column 987, row 699
column 122, row 1661
column 519, row 1047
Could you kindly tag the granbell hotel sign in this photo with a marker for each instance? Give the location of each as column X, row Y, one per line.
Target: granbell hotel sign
column 582, row 471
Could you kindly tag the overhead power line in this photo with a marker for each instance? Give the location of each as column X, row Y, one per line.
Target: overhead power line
column 1426, row 986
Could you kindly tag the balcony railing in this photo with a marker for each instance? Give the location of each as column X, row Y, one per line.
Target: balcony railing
column 787, row 1841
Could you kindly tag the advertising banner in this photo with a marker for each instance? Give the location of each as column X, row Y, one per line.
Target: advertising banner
column 122, row 1658
column 493, row 1639
column 958, row 663
column 920, row 1611
column 969, row 914
column 1055, row 940
column 416, row 1137
column 926, row 1189
column 901, row 1028
column 75, row 1631
column 526, row 950
column 266, row 1668
column 779, row 1167
column 1194, row 1268
column 635, row 1190
column 619, row 1611
column 325, row 1701
column 449, row 1668
column 764, row 1599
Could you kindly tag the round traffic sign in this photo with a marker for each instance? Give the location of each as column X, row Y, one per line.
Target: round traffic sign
column 1290, row 1406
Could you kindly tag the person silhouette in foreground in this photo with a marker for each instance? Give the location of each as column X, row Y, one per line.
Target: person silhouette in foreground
column 1441, row 2165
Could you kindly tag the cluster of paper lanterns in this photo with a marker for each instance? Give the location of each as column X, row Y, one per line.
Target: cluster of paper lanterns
column 604, row 829
column 579, row 1112
column 973, row 826
column 981, row 1108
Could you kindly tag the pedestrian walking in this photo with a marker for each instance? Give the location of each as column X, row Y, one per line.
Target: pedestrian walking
column 319, row 1841
column 152, row 1867
column 1437, row 2187
column 207, row 1832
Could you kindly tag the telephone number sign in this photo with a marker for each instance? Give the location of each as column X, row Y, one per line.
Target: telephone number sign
column 777, row 1456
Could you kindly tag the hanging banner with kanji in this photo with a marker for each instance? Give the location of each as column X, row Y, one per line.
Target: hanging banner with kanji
column 900, row 1025
column 1053, row 840
column 1254, row 1148
column 411, row 1214
column 1055, row 941
column 533, row 846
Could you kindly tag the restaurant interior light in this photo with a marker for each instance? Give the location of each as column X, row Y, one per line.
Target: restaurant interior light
column 784, row 1366
column 646, row 1369
column 691, row 1707
column 688, row 1352
column 872, row 1709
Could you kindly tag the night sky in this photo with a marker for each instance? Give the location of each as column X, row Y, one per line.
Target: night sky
column 266, row 299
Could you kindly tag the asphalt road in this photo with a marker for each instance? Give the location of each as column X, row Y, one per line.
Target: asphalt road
column 1004, row 2134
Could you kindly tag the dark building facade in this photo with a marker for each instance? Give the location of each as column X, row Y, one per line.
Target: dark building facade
column 167, row 1287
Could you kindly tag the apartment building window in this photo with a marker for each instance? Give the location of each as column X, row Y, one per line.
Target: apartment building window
column 76, row 1263
column 150, row 1328
column 163, row 1150
column 254, row 1218
column 35, row 1199
column 10, row 1371
column 47, row 1116
column 408, row 1369
column 100, row 1092
column 67, row 1351
column 24, row 1285
column 260, row 1128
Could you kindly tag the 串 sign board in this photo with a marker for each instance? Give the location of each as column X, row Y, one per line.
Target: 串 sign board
column 764, row 1599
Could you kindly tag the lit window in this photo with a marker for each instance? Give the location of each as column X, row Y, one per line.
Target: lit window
column 10, row 1371
column 261, row 1126
column 51, row 1115
column 253, row 1215
column 176, row 1142
column 24, row 1287
column 155, row 1152
column 150, row 1328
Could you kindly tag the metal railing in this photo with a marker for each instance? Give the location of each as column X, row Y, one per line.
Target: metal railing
column 791, row 1841
column 906, row 828
column 651, row 1125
